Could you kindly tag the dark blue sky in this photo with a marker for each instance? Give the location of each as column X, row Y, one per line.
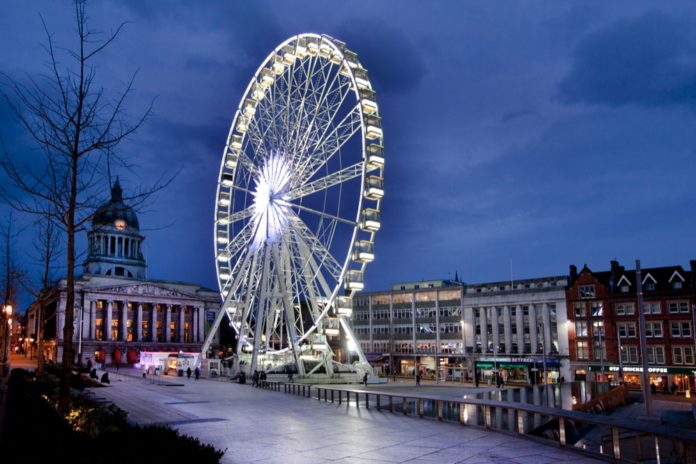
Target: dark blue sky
column 537, row 133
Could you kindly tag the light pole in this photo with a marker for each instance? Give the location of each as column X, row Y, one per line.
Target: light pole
column 463, row 349
column 6, row 326
column 544, row 376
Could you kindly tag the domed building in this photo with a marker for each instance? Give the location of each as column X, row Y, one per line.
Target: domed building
column 119, row 311
column 115, row 243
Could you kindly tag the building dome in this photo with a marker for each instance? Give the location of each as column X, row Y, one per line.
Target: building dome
column 115, row 243
column 115, row 213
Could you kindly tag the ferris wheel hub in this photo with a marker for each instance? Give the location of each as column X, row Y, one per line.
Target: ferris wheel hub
column 271, row 211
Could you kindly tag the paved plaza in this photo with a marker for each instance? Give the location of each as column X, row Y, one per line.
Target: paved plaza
column 261, row 426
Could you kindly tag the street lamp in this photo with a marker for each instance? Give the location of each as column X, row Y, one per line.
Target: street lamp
column 7, row 312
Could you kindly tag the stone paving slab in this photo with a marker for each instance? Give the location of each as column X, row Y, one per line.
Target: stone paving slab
column 261, row 426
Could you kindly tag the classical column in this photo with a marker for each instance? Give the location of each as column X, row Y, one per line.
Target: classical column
column 519, row 323
column 533, row 340
column 484, row 330
column 546, row 318
column 194, row 325
column 167, row 322
column 123, row 325
column 182, row 310
column 92, row 320
column 201, row 324
column 107, row 322
column 495, row 329
column 470, row 327
column 60, row 315
column 507, row 327
column 139, row 321
column 153, row 316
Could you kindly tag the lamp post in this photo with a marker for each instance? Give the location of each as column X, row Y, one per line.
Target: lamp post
column 463, row 348
column 7, row 313
column 543, row 359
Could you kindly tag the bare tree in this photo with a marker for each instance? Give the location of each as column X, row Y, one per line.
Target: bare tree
column 74, row 124
column 11, row 275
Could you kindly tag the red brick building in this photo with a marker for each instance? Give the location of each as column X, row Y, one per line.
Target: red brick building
column 603, row 318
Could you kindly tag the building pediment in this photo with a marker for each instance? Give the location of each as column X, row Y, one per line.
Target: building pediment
column 144, row 290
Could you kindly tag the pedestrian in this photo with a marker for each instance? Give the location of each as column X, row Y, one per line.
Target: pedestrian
column 562, row 379
column 89, row 364
column 188, row 373
column 197, row 372
column 418, row 377
column 118, row 365
column 263, row 378
column 255, row 378
column 105, row 378
column 365, row 379
column 476, row 379
column 93, row 373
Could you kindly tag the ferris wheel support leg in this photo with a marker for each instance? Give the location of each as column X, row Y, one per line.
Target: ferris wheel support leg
column 261, row 309
column 289, row 313
column 361, row 356
column 213, row 331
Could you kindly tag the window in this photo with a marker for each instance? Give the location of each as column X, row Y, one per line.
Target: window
column 678, row 307
column 649, row 286
column 587, row 292
column 597, row 308
column 656, row 354
column 624, row 288
column 580, row 310
column 600, row 348
column 627, row 329
column 679, row 329
column 683, row 355
column 598, row 328
column 653, row 329
column 582, row 350
column 652, row 307
column 677, row 284
column 625, row 309
column 581, row 329
column 629, row 354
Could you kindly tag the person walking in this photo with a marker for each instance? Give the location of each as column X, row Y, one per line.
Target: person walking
column 476, row 379
column 255, row 378
column 418, row 377
column 365, row 379
column 188, row 373
column 197, row 372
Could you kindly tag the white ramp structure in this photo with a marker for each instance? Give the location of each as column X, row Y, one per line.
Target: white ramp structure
column 297, row 209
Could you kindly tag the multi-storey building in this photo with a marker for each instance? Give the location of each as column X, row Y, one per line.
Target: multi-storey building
column 452, row 330
column 118, row 311
column 604, row 332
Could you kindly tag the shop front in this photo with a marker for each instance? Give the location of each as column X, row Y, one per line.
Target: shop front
column 664, row 379
column 518, row 370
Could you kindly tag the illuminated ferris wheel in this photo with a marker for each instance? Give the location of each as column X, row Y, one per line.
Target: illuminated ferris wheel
column 298, row 206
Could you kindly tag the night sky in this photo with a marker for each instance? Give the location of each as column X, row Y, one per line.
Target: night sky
column 520, row 137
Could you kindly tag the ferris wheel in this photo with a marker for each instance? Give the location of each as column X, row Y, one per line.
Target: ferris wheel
column 298, row 206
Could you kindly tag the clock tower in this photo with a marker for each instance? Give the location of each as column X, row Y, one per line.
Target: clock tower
column 114, row 241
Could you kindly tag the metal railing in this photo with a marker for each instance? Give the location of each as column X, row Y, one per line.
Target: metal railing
column 590, row 434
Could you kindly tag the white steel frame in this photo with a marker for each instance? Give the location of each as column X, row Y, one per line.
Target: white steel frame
column 303, row 165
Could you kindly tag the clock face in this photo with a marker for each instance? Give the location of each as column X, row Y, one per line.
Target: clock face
column 120, row 224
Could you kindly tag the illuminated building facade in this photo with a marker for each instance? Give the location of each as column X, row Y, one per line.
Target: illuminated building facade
column 604, row 332
column 118, row 311
column 452, row 330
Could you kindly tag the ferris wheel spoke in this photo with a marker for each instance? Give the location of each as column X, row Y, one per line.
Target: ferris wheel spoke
column 320, row 213
column 338, row 177
column 311, row 242
column 331, row 143
column 240, row 215
column 240, row 240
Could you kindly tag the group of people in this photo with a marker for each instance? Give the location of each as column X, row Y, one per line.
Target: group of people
column 258, row 379
column 197, row 372
column 665, row 388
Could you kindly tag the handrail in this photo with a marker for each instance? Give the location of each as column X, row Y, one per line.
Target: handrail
column 685, row 437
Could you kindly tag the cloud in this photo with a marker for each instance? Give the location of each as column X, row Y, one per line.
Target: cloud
column 394, row 63
column 646, row 61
